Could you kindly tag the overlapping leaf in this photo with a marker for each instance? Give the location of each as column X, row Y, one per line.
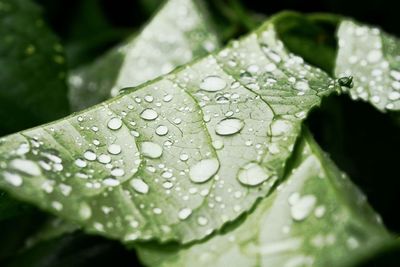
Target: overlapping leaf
column 179, row 32
column 317, row 217
column 373, row 58
column 176, row 158
column 32, row 69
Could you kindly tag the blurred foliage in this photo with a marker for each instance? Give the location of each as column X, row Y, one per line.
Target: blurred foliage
column 363, row 142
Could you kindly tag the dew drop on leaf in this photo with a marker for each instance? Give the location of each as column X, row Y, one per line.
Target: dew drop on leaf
column 301, row 207
column 203, row 170
column 252, row 174
column 149, row 114
column 114, row 149
column 114, row 123
column 26, row 166
column 13, row 178
column 229, row 126
column 80, row 163
column 161, row 130
column 183, row 214
column 151, row 150
column 89, row 155
column 139, row 185
column 212, row 83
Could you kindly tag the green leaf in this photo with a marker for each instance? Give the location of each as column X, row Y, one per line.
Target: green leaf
column 32, row 81
column 317, row 217
column 178, row 33
column 373, row 58
column 202, row 143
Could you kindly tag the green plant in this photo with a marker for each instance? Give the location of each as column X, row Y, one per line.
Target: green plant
column 191, row 152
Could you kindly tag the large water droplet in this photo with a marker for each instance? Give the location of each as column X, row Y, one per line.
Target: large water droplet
column 89, row 155
column 252, row 174
column 149, row 114
column 114, row 123
column 80, row 163
column 114, row 149
column 26, row 166
column 280, row 127
column 212, row 83
column 203, row 170
column 85, row 211
column 111, row 182
column 13, row 178
column 229, row 126
column 139, row 185
column 302, row 85
column 301, row 208
column 161, row 130
column 151, row 150
column 184, row 213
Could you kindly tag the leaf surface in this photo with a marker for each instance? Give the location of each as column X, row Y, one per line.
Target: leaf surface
column 205, row 141
column 316, row 217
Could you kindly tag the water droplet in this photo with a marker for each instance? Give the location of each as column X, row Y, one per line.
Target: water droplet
column 229, row 126
column 26, row 166
column 301, row 208
column 80, row 163
column 117, row 172
column 280, row 127
column 57, row 205
column 252, row 174
column 203, row 170
column 374, row 56
column 114, row 149
column 302, row 85
column 85, row 212
column 202, row 220
column 13, row 178
column 218, row 144
column 89, row 155
column 114, row 123
column 151, row 150
column 162, row 130
column 184, row 157
column 23, row 149
column 167, row 98
column 212, row 83
column 184, row 213
column 394, row 96
column 104, row 158
column 111, row 182
column 149, row 114
column 139, row 185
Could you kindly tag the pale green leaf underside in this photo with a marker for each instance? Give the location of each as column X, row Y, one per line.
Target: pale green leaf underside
column 178, row 33
column 372, row 57
column 317, row 217
column 177, row 158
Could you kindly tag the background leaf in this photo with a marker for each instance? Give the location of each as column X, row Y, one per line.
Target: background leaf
column 373, row 58
column 315, row 218
column 179, row 32
column 32, row 80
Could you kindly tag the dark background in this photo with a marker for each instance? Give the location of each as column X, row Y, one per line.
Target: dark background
column 362, row 141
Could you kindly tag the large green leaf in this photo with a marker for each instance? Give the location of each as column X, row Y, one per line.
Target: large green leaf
column 373, row 58
column 178, row 33
column 178, row 157
column 32, row 80
column 317, row 217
